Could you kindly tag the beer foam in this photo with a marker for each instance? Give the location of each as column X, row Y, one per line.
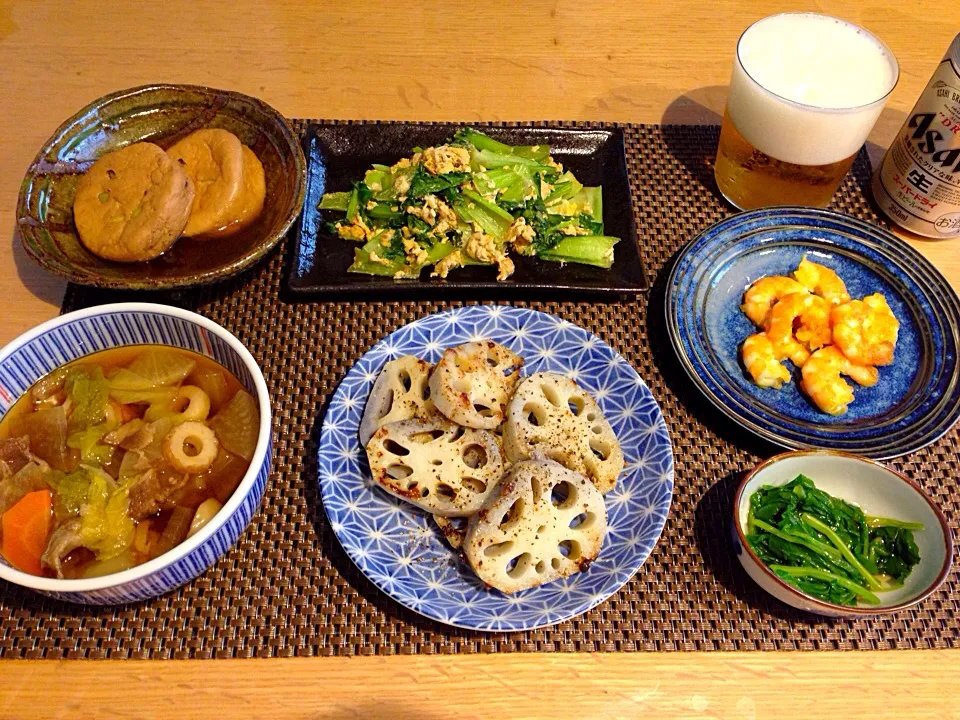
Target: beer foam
column 808, row 88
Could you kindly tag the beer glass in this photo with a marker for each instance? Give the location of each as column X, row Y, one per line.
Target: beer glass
column 805, row 92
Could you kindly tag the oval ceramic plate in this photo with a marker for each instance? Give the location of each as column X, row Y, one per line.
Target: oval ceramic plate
column 917, row 398
column 161, row 114
column 399, row 548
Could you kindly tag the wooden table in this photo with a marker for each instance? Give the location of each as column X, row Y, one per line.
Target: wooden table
column 642, row 61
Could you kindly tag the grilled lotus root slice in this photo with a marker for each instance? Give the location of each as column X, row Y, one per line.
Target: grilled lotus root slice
column 543, row 522
column 436, row 465
column 472, row 383
column 399, row 393
column 452, row 529
column 551, row 414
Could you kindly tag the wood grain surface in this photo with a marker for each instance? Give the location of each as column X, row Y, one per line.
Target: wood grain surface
column 651, row 61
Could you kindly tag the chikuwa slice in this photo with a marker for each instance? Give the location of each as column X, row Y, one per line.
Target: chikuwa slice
column 399, row 393
column 437, row 466
column 551, row 414
column 473, row 382
column 541, row 523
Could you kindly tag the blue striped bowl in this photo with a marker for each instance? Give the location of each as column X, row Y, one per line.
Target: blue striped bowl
column 80, row 333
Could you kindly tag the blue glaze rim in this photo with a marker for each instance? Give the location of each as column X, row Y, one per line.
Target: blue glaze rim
column 930, row 406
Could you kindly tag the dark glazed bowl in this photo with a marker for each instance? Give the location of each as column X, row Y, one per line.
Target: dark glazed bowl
column 161, row 114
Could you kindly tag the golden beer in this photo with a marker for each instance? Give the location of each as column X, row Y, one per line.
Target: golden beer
column 805, row 92
column 749, row 178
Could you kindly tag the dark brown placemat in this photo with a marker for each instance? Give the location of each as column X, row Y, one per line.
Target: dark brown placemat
column 287, row 588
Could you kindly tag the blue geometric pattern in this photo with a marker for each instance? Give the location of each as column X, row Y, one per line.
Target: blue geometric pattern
column 400, row 550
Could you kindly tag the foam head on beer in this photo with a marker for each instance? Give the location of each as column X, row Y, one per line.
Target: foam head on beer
column 807, row 88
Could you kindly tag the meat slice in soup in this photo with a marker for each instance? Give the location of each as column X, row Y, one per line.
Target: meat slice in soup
column 118, row 457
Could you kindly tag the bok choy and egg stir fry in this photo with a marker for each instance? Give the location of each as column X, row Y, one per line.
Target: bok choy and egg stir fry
column 471, row 201
column 827, row 547
column 118, row 457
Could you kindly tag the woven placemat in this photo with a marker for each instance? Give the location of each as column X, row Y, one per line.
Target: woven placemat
column 287, row 588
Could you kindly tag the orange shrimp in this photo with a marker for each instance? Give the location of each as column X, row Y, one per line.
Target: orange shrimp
column 820, row 379
column 763, row 294
column 866, row 330
column 762, row 363
column 821, row 281
column 799, row 323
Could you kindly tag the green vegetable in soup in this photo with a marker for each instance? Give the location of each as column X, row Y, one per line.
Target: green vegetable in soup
column 826, row 546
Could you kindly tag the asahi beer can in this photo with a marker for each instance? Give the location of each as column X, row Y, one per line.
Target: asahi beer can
column 918, row 182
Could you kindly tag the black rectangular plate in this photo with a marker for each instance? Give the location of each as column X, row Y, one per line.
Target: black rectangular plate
column 339, row 155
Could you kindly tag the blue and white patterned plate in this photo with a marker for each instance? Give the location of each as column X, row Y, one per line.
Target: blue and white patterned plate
column 917, row 399
column 400, row 550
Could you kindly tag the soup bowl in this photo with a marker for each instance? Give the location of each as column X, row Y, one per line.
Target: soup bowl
column 80, row 333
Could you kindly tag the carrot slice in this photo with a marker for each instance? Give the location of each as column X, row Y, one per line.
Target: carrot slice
column 26, row 530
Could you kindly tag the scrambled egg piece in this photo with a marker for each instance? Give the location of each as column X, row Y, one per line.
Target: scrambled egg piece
column 445, row 159
column 425, row 213
column 482, row 247
column 450, row 262
column 350, row 232
column 521, row 236
column 554, row 164
column 574, row 230
column 402, row 185
column 416, row 255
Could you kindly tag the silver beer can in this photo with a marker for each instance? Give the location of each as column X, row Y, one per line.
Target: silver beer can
column 918, row 182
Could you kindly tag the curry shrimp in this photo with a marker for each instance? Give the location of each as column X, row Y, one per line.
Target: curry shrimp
column 821, row 280
column 866, row 330
column 762, row 363
column 821, row 379
column 760, row 298
column 799, row 324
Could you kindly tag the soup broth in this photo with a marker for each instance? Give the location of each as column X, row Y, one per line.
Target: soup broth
column 119, row 456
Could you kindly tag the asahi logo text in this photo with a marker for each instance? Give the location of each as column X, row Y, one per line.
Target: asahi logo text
column 929, row 140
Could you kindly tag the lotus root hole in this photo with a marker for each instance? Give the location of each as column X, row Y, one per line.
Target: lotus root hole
column 550, row 393
column 541, row 567
column 519, row 565
column 426, row 437
column 484, row 410
column 446, row 492
column 474, row 485
column 555, row 563
column 405, row 380
column 570, row 549
column 498, row 549
column 458, row 433
column 514, row 513
column 399, row 471
column 474, row 456
column 591, row 416
column 583, row 521
column 535, row 414
column 563, row 495
column 600, row 448
column 395, row 448
column 597, row 429
column 436, row 462
column 111, row 174
column 541, row 529
column 576, row 404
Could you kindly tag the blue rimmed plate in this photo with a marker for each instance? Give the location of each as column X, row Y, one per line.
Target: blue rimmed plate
column 917, row 399
column 399, row 549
